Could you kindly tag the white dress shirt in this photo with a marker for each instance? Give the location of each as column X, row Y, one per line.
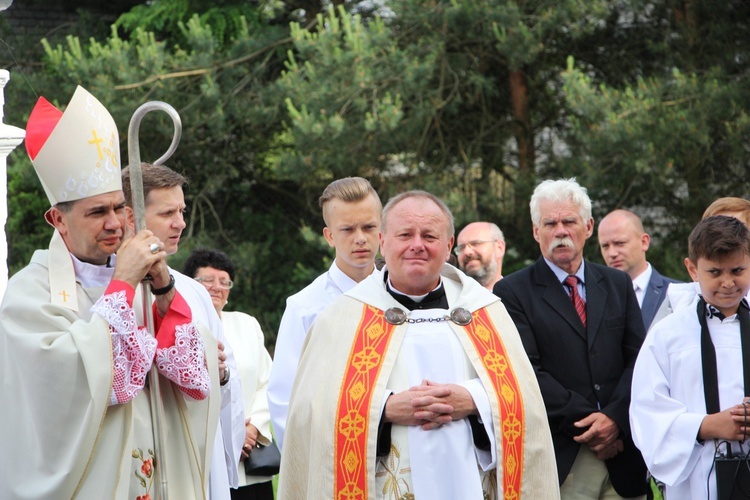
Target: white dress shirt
column 640, row 283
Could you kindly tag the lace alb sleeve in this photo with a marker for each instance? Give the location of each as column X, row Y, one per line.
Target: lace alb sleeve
column 133, row 348
column 184, row 362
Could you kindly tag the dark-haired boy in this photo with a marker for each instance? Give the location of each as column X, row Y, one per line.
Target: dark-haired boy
column 677, row 420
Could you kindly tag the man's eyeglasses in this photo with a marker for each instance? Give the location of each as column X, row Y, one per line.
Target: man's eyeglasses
column 472, row 244
column 211, row 281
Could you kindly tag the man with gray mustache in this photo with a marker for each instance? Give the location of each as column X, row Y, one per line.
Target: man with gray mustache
column 581, row 326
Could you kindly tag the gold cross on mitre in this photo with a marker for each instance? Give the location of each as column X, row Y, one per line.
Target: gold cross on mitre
column 97, row 141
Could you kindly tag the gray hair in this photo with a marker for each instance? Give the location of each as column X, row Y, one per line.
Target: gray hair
column 557, row 191
column 419, row 194
column 496, row 232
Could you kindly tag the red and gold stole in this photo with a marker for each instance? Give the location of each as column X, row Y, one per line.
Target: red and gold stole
column 352, row 416
column 492, row 353
column 355, row 397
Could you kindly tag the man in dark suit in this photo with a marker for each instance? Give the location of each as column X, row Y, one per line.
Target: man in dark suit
column 582, row 328
column 624, row 243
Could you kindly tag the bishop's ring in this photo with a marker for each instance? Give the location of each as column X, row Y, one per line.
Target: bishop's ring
column 154, row 247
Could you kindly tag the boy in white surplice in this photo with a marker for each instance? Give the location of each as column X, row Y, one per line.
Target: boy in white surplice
column 685, row 405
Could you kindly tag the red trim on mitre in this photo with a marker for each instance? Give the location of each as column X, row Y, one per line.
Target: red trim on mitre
column 42, row 121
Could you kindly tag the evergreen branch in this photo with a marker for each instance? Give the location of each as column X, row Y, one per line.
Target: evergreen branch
column 202, row 71
column 665, row 104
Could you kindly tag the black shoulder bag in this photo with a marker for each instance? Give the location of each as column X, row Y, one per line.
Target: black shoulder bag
column 263, row 461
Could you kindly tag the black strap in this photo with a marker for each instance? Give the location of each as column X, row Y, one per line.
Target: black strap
column 708, row 356
column 708, row 360
column 163, row 290
column 744, row 314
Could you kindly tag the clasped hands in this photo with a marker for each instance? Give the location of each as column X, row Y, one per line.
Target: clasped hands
column 429, row 405
column 135, row 260
column 601, row 436
column 732, row 424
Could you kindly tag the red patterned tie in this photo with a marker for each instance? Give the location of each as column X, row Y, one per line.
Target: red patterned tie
column 572, row 283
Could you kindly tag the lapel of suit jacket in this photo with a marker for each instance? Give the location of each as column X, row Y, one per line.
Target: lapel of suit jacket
column 596, row 300
column 651, row 297
column 553, row 293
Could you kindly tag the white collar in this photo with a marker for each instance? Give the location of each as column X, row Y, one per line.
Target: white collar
column 341, row 279
column 91, row 275
column 641, row 281
column 460, row 289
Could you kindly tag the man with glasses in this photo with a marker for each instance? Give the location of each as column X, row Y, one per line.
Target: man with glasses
column 165, row 210
column 480, row 250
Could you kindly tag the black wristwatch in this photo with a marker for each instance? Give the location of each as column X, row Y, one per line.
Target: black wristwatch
column 166, row 289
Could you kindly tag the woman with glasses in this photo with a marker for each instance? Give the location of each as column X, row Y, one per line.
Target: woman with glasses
column 214, row 270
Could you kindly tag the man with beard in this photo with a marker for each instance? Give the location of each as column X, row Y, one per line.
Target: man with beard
column 582, row 328
column 480, row 249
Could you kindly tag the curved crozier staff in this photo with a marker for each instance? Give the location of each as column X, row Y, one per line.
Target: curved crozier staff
column 139, row 211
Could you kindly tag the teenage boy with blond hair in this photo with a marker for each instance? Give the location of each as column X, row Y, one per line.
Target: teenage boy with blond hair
column 351, row 211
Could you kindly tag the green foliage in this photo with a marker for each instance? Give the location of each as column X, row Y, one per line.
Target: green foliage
column 669, row 142
column 644, row 101
column 26, row 228
column 225, row 107
column 347, row 122
column 523, row 30
column 424, row 94
column 167, row 18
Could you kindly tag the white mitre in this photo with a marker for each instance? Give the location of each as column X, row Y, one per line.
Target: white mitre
column 76, row 155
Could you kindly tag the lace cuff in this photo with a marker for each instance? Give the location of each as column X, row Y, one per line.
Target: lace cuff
column 184, row 362
column 132, row 347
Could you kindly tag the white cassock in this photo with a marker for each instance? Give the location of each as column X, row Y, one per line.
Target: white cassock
column 668, row 402
column 301, row 310
column 443, row 461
